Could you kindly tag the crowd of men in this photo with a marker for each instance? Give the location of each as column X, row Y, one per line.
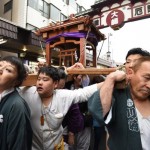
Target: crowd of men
column 57, row 114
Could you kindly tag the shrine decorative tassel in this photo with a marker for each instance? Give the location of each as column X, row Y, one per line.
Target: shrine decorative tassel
column 42, row 120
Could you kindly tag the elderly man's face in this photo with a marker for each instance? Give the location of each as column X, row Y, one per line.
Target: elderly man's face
column 140, row 82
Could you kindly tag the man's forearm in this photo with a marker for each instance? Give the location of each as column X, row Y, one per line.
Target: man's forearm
column 106, row 94
column 106, row 89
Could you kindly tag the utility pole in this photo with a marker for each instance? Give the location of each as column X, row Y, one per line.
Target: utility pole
column 108, row 52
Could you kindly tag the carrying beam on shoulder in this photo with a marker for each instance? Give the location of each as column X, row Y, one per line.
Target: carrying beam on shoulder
column 32, row 78
column 92, row 71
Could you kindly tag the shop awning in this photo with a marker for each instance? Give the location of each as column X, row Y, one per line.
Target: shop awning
column 7, row 29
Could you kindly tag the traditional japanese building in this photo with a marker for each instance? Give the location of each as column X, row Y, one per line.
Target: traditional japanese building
column 15, row 40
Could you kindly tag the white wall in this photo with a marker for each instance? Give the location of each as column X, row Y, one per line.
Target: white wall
column 19, row 12
column 35, row 18
column 65, row 9
column 22, row 14
column 6, row 15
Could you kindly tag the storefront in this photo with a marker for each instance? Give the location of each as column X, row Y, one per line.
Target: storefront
column 20, row 42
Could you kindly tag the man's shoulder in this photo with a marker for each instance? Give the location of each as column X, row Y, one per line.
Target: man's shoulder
column 18, row 103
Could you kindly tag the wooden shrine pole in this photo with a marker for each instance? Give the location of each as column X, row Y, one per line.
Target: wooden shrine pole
column 82, row 59
column 48, row 54
column 31, row 79
column 92, row 71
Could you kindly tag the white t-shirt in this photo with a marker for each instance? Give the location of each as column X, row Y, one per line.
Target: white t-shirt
column 49, row 134
column 144, row 125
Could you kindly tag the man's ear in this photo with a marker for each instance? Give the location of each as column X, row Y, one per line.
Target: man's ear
column 129, row 73
column 56, row 84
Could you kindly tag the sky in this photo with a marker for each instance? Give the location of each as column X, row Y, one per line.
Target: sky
column 131, row 35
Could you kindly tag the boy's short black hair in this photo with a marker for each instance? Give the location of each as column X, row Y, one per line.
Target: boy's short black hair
column 50, row 71
column 21, row 71
column 139, row 51
column 62, row 74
